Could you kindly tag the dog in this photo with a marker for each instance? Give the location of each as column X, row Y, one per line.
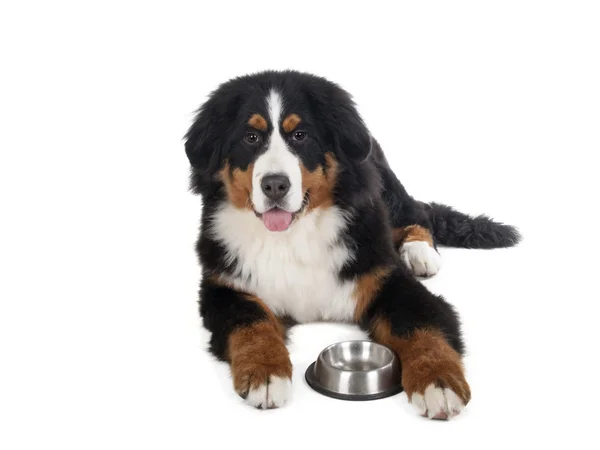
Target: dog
column 303, row 220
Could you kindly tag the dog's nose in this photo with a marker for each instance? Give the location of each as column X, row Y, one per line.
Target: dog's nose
column 275, row 186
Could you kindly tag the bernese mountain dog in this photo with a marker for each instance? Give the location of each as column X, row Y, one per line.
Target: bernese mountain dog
column 303, row 220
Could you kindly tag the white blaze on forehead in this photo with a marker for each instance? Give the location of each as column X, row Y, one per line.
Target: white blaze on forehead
column 277, row 160
column 274, row 105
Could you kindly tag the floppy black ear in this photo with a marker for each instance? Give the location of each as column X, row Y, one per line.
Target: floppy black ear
column 206, row 139
column 344, row 125
column 201, row 141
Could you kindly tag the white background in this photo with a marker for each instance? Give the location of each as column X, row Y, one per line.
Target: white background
column 492, row 107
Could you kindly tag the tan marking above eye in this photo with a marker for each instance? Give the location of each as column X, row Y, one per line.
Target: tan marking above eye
column 290, row 123
column 258, row 122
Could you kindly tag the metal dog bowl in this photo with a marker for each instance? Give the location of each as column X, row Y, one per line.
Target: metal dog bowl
column 355, row 370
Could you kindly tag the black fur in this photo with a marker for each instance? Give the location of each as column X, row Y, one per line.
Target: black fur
column 456, row 229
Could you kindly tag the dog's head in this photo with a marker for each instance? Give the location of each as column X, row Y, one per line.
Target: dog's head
column 275, row 143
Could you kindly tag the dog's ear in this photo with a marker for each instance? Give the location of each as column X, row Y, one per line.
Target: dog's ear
column 200, row 146
column 343, row 124
column 206, row 139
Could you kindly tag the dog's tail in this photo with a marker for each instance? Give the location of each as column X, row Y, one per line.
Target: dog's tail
column 455, row 229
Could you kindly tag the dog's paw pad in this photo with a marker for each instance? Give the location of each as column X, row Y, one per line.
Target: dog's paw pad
column 272, row 394
column 421, row 258
column 437, row 403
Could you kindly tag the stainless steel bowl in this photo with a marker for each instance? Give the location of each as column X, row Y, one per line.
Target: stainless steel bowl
column 355, row 370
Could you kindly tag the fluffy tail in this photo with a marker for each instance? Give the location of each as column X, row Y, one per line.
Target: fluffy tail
column 455, row 229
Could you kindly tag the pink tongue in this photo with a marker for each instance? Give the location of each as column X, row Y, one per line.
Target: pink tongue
column 277, row 219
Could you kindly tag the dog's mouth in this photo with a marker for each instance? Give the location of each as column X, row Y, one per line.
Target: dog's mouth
column 278, row 219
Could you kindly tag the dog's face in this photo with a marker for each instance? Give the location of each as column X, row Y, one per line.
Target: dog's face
column 276, row 143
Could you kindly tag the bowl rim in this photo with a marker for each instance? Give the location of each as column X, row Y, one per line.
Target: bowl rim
column 362, row 341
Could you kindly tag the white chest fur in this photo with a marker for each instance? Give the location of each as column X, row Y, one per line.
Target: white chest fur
column 294, row 272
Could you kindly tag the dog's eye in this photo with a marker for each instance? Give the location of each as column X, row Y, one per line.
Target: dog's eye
column 299, row 135
column 251, row 138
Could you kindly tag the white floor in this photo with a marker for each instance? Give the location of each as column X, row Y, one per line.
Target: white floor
column 492, row 108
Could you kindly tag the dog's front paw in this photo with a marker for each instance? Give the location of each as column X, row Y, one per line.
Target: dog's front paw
column 439, row 394
column 260, row 365
column 273, row 393
column 437, row 402
column 421, row 258
column 264, row 387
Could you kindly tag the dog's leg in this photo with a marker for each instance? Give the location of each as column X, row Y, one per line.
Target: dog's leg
column 424, row 331
column 247, row 335
column 409, row 219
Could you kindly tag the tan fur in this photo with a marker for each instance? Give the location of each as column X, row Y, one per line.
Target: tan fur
column 426, row 358
column 411, row 233
column 367, row 287
column 257, row 352
column 320, row 183
column 239, row 185
column 258, row 122
column 290, row 123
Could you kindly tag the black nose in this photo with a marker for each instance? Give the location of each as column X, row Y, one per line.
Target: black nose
column 275, row 186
